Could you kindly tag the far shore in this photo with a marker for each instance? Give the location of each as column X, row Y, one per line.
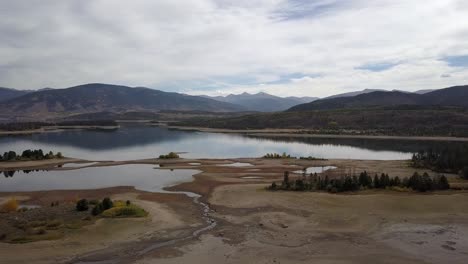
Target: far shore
column 268, row 132
column 52, row 129
column 299, row 133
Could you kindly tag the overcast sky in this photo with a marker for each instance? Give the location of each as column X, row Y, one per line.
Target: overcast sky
column 295, row 47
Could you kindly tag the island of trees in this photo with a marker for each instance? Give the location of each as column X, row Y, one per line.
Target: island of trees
column 170, row 155
column 347, row 183
column 278, row 156
column 29, row 155
column 109, row 208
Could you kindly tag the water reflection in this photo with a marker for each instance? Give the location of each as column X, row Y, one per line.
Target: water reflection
column 139, row 141
column 142, row 177
column 11, row 173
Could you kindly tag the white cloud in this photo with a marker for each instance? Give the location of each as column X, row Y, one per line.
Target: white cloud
column 219, row 45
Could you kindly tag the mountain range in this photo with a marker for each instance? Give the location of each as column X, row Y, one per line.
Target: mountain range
column 8, row 93
column 263, row 102
column 97, row 97
column 452, row 96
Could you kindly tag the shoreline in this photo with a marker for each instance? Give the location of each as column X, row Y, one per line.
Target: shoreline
column 297, row 133
column 277, row 133
column 55, row 129
column 37, row 164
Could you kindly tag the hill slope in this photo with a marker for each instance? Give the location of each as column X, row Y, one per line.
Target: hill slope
column 452, row 96
column 350, row 94
column 263, row 102
column 104, row 97
column 7, row 93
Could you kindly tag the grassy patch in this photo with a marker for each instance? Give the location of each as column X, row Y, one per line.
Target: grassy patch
column 125, row 211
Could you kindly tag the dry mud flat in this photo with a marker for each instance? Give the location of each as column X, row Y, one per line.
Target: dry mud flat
column 258, row 226
column 170, row 215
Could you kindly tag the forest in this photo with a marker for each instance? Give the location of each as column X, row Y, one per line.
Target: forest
column 448, row 158
column 351, row 183
column 396, row 121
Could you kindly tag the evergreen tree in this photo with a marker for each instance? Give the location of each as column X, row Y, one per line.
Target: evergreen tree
column 285, row 185
column 443, row 183
column 376, row 181
column 107, row 203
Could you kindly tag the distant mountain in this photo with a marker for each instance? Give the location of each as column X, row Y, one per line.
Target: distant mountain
column 263, row 102
column 425, row 91
column 350, row 94
column 8, row 93
column 97, row 97
column 453, row 96
column 303, row 100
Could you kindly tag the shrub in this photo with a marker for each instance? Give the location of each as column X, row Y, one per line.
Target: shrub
column 94, row 202
column 40, row 231
column 97, row 209
column 107, row 203
column 82, row 205
column 10, row 206
column 126, row 211
column 464, row 173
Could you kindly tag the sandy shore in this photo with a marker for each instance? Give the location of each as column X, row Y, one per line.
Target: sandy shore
column 258, row 226
column 37, row 164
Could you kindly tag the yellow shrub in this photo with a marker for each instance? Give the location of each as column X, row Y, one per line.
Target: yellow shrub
column 119, row 203
column 10, row 206
column 125, row 211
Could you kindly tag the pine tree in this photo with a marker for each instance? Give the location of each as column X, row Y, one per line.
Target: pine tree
column 376, row 181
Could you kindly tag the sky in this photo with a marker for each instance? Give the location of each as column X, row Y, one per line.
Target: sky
column 216, row 47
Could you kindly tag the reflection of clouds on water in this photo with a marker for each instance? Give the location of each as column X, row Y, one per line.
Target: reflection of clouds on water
column 142, row 177
column 137, row 141
column 310, row 170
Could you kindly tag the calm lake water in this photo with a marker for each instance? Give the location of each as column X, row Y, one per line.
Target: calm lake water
column 138, row 141
column 142, row 177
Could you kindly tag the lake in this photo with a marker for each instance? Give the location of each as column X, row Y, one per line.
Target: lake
column 142, row 177
column 139, row 141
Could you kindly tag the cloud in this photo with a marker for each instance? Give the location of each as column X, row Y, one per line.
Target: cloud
column 295, row 47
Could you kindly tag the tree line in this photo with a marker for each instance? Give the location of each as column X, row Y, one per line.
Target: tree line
column 277, row 156
column 447, row 158
column 28, row 155
column 21, row 126
column 348, row 183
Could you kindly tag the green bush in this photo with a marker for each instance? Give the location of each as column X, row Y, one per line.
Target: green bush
column 107, row 203
column 125, row 211
column 82, row 205
column 97, row 209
